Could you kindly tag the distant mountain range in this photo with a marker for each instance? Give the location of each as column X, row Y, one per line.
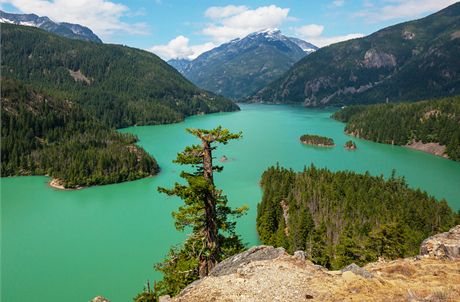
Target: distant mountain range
column 406, row 62
column 68, row 30
column 242, row 66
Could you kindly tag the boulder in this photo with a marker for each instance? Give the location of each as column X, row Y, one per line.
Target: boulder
column 442, row 246
column 99, row 299
column 300, row 255
column 257, row 253
column 357, row 270
column 165, row 298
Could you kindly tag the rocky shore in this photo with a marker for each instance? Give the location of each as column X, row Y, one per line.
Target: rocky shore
column 432, row 148
column 57, row 184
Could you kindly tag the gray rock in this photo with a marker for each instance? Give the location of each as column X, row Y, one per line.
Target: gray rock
column 165, row 298
column 300, row 255
column 257, row 253
column 357, row 270
column 442, row 246
column 99, row 299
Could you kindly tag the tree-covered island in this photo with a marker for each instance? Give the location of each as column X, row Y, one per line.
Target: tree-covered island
column 316, row 140
column 350, row 145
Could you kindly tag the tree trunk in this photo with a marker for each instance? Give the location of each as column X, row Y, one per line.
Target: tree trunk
column 207, row 263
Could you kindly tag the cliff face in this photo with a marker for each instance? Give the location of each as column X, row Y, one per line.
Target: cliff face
column 265, row 273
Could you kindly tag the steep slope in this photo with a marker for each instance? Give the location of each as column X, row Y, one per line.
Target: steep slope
column 68, row 30
column 42, row 135
column 179, row 64
column 242, row 66
column 406, row 62
column 121, row 86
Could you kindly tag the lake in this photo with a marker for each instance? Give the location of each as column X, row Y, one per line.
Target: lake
column 73, row 245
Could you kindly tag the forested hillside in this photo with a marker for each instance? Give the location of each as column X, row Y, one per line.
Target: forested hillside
column 119, row 85
column 339, row 218
column 41, row 135
column 430, row 121
column 406, row 62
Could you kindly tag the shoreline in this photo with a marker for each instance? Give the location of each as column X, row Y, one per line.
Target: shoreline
column 56, row 184
column 318, row 145
column 431, row 148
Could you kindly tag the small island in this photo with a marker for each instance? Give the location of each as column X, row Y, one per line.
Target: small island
column 316, row 140
column 350, row 145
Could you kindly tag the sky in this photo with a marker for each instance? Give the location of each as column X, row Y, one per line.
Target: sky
column 186, row 28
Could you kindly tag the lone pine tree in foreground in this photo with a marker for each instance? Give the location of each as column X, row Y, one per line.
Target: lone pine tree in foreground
column 205, row 212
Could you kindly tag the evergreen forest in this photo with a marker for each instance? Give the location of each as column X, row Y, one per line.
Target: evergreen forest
column 119, row 85
column 339, row 218
column 436, row 121
column 42, row 135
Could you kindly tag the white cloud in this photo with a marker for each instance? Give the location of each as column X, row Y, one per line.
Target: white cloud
column 313, row 33
column 101, row 16
column 338, row 2
column 217, row 12
column 397, row 9
column 226, row 23
column 179, row 48
column 231, row 22
column 310, row 30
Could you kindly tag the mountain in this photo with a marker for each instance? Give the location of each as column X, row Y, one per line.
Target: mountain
column 306, row 47
column 179, row 64
column 243, row 66
column 405, row 62
column 119, row 85
column 68, row 30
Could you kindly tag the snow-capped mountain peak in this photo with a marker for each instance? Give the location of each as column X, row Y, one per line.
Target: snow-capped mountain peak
column 241, row 66
column 68, row 30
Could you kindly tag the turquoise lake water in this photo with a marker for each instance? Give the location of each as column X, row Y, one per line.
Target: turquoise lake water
column 73, row 245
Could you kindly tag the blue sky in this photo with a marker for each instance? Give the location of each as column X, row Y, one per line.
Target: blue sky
column 181, row 28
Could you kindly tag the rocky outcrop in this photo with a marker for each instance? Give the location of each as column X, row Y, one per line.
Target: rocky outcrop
column 377, row 59
column 266, row 273
column 432, row 148
column 257, row 253
column 357, row 270
column 99, row 299
column 443, row 246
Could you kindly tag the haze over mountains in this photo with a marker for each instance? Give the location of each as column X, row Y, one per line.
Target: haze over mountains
column 242, row 66
column 405, row 62
column 68, row 30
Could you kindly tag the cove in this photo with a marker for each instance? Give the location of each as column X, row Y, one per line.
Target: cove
column 74, row 245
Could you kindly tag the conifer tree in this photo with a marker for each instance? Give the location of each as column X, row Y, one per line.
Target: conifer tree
column 205, row 212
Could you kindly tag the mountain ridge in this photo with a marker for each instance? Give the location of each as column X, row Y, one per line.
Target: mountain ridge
column 120, row 85
column 238, row 68
column 408, row 61
column 68, row 30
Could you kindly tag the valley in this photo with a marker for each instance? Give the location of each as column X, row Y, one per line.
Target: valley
column 105, row 239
